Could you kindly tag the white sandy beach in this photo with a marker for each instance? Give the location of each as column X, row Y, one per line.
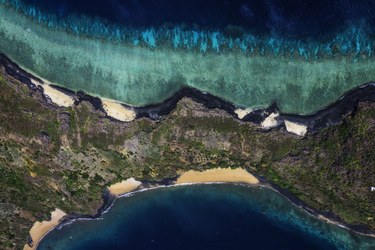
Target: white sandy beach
column 124, row 186
column 229, row 175
column 217, row 175
column 40, row 229
column 241, row 113
column 270, row 121
column 295, row 128
column 112, row 108
column 59, row 98
column 116, row 110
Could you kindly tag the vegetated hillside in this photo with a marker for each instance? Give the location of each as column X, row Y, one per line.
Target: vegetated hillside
column 65, row 157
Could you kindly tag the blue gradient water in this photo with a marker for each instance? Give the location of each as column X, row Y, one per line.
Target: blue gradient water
column 307, row 28
column 303, row 55
column 204, row 217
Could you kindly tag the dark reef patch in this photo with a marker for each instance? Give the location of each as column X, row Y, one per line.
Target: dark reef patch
column 15, row 71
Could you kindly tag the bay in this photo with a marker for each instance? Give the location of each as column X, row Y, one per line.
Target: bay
column 204, row 217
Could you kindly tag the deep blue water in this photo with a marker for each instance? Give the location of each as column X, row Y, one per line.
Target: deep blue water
column 307, row 28
column 281, row 17
column 204, row 217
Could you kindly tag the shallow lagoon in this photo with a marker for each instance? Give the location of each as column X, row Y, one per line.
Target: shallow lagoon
column 204, row 217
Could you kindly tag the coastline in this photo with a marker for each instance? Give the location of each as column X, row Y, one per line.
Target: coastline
column 238, row 176
column 227, row 175
column 41, row 229
column 328, row 217
column 300, row 125
column 131, row 186
column 124, row 187
column 118, row 111
column 362, row 91
column 32, row 244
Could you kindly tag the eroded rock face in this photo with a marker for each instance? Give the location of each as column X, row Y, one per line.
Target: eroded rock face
column 43, row 138
column 64, row 122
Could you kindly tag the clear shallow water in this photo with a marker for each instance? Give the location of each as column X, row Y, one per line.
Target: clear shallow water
column 204, row 217
column 304, row 57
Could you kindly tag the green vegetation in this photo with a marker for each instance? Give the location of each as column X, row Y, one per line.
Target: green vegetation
column 65, row 157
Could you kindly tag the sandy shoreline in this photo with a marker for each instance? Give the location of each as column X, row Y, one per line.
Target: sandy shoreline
column 126, row 113
column 270, row 121
column 130, row 186
column 116, row 110
column 113, row 108
column 241, row 113
column 124, row 187
column 225, row 175
column 327, row 116
column 40, row 229
column 238, row 175
column 295, row 128
column 59, row 98
column 333, row 222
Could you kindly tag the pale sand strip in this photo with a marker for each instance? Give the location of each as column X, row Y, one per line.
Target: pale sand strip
column 270, row 121
column 295, row 128
column 112, row 108
column 124, row 186
column 40, row 229
column 118, row 111
column 217, row 175
column 57, row 97
column 241, row 113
